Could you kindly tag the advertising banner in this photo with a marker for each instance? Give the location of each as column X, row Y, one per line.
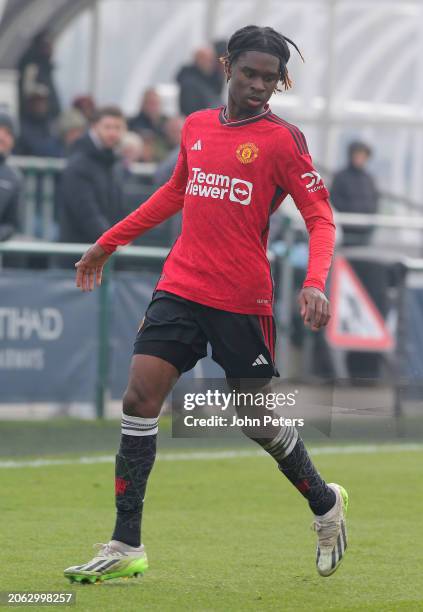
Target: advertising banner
column 48, row 337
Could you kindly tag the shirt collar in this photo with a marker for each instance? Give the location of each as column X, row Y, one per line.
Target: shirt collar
column 224, row 121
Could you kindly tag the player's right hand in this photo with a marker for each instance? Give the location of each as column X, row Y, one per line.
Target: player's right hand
column 89, row 269
column 314, row 308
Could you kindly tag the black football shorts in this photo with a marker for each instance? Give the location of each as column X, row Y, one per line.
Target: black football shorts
column 178, row 331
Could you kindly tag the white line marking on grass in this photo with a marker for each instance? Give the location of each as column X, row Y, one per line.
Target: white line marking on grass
column 358, row 449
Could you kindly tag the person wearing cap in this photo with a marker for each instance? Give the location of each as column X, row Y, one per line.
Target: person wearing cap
column 10, row 181
column 70, row 128
column 354, row 191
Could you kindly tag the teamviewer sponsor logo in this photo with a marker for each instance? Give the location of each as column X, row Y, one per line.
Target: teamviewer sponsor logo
column 219, row 187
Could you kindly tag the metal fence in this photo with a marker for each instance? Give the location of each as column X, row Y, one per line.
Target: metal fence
column 39, row 206
column 39, row 213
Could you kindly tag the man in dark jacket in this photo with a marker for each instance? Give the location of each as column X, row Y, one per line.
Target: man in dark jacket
column 150, row 118
column 91, row 190
column 354, row 191
column 200, row 83
column 10, row 181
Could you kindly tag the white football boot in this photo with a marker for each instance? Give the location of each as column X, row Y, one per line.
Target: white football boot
column 331, row 533
column 113, row 560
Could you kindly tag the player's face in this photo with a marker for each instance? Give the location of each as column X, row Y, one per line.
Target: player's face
column 253, row 78
column 110, row 131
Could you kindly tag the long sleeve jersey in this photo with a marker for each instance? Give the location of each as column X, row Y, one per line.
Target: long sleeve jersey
column 229, row 178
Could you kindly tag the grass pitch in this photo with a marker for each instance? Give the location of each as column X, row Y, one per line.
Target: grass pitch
column 222, row 534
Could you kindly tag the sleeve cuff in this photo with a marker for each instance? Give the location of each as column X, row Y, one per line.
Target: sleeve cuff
column 314, row 283
column 106, row 247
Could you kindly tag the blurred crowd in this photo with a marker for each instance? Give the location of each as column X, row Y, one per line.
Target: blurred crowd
column 100, row 183
column 48, row 130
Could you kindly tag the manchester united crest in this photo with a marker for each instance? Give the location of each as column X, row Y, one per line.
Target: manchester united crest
column 247, row 152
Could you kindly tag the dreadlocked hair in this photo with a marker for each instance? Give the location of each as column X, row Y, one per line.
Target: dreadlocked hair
column 266, row 40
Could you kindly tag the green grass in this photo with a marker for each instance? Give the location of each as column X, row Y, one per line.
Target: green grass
column 222, row 535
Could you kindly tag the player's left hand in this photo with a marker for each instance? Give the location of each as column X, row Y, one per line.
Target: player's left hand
column 314, row 308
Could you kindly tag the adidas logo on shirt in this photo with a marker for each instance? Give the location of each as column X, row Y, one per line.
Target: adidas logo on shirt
column 260, row 361
column 196, row 146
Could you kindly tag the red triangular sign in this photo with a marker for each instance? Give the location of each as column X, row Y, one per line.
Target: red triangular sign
column 356, row 323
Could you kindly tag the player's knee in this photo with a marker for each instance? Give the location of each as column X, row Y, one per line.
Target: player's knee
column 251, row 406
column 137, row 403
column 248, row 390
column 248, row 384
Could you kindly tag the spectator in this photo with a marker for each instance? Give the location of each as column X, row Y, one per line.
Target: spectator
column 149, row 148
column 170, row 139
column 86, row 106
column 150, row 119
column 136, row 184
column 131, row 149
column 10, row 181
column 200, row 83
column 36, row 75
column 36, row 136
column 91, row 189
column 70, row 127
column 354, row 191
column 172, row 130
column 219, row 77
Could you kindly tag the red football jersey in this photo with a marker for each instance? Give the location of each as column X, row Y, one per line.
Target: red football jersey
column 229, row 178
